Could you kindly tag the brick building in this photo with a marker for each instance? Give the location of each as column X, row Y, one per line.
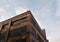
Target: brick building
column 22, row 28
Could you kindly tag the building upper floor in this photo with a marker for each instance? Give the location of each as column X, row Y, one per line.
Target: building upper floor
column 21, row 19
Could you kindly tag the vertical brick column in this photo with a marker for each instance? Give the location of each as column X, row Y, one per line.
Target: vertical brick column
column 0, row 26
column 9, row 23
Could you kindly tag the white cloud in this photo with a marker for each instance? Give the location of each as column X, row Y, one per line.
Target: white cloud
column 9, row 9
column 58, row 24
column 58, row 8
column 3, row 14
column 45, row 12
column 20, row 10
column 54, row 38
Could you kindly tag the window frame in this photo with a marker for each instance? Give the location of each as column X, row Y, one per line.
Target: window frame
column 18, row 21
column 4, row 26
column 18, row 31
column 33, row 31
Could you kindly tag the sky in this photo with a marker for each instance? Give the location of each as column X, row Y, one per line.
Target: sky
column 46, row 12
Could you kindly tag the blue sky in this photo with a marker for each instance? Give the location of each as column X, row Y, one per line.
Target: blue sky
column 46, row 12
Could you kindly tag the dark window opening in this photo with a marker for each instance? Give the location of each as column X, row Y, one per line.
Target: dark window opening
column 17, row 32
column 33, row 32
column 4, row 26
column 19, row 40
column 18, row 21
column 33, row 40
column 40, row 39
column 2, row 36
